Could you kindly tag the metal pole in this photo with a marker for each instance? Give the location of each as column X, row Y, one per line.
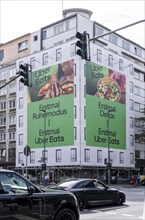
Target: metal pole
column 26, row 161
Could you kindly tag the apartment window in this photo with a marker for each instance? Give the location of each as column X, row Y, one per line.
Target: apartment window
column 44, row 34
column 126, row 45
column 21, row 120
column 110, row 60
column 130, row 69
column 87, row 155
column 131, row 122
column 131, row 87
column 131, row 158
column 85, row 133
column 45, row 59
column 45, row 156
column 12, row 119
column 12, row 72
column 3, row 90
column 32, row 62
column 1, row 55
column 84, row 91
column 35, row 38
column 73, row 155
column 136, row 90
column 72, row 50
column 137, row 154
column 58, row 54
column 84, row 112
column 113, row 39
column 121, row 158
column 99, row 55
column 32, row 157
column 23, row 45
column 136, row 106
column 75, row 90
column 138, row 51
column 120, row 65
column 12, row 103
column 131, row 104
column 98, row 31
column 12, row 152
column 136, row 75
column 75, row 133
column 74, row 69
column 12, row 136
column 2, row 105
column 2, row 137
column 20, row 139
column 137, row 123
column 99, row 156
column 75, row 112
column 131, row 140
column 12, row 87
column 21, row 103
column 21, row 86
column 58, row 155
column 20, row 157
column 2, row 121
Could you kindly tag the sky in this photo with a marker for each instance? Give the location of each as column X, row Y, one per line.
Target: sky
column 18, row 17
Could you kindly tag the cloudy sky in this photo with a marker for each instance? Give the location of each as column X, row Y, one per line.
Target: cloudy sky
column 20, row 17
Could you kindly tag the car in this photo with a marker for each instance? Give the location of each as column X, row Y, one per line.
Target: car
column 92, row 192
column 20, row 199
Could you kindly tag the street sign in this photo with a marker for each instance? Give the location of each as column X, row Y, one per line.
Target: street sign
column 27, row 150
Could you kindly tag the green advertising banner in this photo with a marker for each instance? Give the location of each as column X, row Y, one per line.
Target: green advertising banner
column 51, row 107
column 105, row 107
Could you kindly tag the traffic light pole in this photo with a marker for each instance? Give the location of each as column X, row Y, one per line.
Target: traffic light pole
column 110, row 32
column 10, row 81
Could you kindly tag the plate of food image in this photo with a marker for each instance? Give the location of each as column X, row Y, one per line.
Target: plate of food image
column 108, row 88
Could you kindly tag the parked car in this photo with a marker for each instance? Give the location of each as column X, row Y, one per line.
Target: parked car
column 21, row 199
column 92, row 192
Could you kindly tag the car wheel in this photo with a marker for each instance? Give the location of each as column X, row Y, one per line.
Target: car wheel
column 66, row 214
column 119, row 200
column 82, row 203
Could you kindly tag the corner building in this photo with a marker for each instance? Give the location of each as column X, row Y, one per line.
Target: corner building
column 78, row 113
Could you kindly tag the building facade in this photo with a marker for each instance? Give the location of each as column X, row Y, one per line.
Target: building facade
column 68, row 118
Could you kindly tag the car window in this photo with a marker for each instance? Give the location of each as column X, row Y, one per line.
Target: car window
column 13, row 183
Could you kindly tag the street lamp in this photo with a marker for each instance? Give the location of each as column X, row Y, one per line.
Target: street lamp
column 108, row 164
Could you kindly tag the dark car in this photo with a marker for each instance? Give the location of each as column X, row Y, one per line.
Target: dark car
column 92, row 192
column 22, row 200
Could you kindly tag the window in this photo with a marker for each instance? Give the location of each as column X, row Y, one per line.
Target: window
column 20, row 158
column 85, row 133
column 58, row 54
column 111, row 156
column 44, row 34
column 32, row 62
column 73, row 156
column 99, row 156
column 21, row 86
column 1, row 55
column 74, row 69
column 131, row 140
column 131, row 124
column 2, row 137
column 131, row 104
column 21, row 119
column 12, row 152
column 12, row 136
column 99, row 55
column 87, row 155
column 98, row 31
column 120, row 64
column 2, row 153
column 136, row 90
column 32, row 157
column 12, row 87
column 58, row 155
column 12, row 72
column 12, row 119
column 131, row 87
column 75, row 133
column 23, row 45
column 113, row 39
column 75, row 90
column 110, row 60
column 131, row 158
column 138, row 51
column 131, row 69
column 137, row 154
column 121, row 158
column 35, row 38
column 21, row 103
column 45, row 59
column 2, row 105
column 20, row 139
column 2, row 121
column 75, row 112
column 72, row 50
column 84, row 112
column 136, row 106
column 126, row 45
column 12, row 103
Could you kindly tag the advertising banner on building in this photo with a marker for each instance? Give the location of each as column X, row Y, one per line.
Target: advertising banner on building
column 105, row 107
column 51, row 107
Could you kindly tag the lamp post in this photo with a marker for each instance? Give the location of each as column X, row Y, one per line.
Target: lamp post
column 44, row 164
column 108, row 163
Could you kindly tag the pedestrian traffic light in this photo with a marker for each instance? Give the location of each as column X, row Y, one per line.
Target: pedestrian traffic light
column 25, row 69
column 43, row 166
column 84, row 45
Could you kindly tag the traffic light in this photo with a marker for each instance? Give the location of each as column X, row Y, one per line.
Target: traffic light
column 84, row 45
column 25, row 69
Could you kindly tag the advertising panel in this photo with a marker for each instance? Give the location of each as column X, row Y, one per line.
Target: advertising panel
column 105, row 107
column 51, row 106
